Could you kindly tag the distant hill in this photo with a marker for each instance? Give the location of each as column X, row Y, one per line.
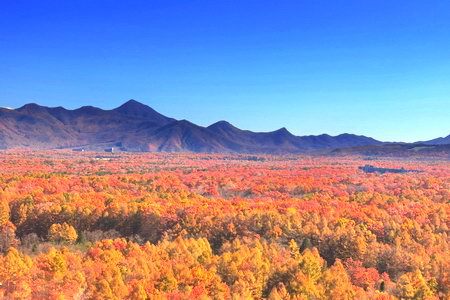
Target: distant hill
column 397, row 150
column 134, row 126
column 438, row 141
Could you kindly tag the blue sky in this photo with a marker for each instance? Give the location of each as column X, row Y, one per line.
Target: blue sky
column 377, row 67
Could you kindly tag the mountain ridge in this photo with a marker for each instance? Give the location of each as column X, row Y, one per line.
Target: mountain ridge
column 437, row 141
column 134, row 126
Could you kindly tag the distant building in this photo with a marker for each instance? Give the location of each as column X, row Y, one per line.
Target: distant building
column 110, row 150
column 78, row 149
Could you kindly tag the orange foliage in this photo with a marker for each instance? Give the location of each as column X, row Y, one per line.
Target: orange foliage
column 190, row 226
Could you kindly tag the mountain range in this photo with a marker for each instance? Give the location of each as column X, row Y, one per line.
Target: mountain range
column 134, row 126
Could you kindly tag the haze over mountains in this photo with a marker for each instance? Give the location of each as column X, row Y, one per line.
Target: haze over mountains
column 134, row 126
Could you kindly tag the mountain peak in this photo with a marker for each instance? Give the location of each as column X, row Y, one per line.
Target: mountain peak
column 221, row 125
column 132, row 104
column 225, row 128
column 133, row 108
column 184, row 122
column 32, row 108
column 283, row 131
column 88, row 109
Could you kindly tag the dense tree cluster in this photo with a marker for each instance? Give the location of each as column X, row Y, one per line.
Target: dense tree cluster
column 185, row 226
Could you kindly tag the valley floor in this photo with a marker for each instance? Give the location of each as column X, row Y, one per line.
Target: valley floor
column 83, row 225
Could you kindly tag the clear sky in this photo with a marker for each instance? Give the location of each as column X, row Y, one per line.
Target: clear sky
column 375, row 67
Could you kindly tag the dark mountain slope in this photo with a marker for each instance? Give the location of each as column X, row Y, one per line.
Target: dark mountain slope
column 283, row 139
column 280, row 140
column 438, row 141
column 186, row 136
column 134, row 109
column 33, row 127
column 136, row 127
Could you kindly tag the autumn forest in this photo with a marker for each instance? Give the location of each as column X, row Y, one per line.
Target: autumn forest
column 85, row 225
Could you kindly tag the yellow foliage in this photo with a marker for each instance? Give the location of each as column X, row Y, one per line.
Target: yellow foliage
column 412, row 285
column 62, row 233
column 14, row 275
